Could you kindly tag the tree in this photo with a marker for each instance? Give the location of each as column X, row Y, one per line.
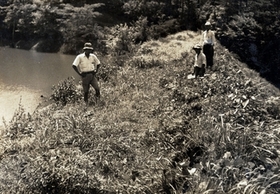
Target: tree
column 19, row 18
column 78, row 25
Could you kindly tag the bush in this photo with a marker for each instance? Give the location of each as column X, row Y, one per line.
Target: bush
column 66, row 92
column 20, row 124
column 144, row 63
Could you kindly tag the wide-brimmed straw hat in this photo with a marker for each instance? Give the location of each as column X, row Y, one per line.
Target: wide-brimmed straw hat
column 197, row 46
column 88, row 46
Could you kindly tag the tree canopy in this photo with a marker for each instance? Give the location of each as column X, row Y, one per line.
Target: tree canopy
column 240, row 24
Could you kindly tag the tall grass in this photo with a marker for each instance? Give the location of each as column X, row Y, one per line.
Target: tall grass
column 154, row 131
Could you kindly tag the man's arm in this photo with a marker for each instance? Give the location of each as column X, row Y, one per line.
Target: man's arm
column 76, row 69
column 97, row 67
column 75, row 65
column 97, row 62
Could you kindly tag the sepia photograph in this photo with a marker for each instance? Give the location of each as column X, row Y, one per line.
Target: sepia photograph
column 139, row 96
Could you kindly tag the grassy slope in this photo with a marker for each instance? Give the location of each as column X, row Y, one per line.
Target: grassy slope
column 142, row 138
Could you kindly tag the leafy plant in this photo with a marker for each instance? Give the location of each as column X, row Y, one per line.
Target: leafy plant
column 66, row 92
column 20, row 125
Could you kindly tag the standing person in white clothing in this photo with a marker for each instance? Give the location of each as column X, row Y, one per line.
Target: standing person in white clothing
column 87, row 65
column 199, row 62
column 208, row 38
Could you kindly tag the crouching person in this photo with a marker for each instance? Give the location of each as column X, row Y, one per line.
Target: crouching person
column 199, row 62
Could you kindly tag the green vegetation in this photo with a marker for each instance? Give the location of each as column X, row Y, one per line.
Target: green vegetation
column 154, row 130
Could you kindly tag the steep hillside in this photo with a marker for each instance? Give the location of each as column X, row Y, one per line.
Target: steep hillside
column 154, row 131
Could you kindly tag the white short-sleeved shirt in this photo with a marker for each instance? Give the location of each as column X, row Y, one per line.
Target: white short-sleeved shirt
column 208, row 37
column 86, row 64
column 199, row 60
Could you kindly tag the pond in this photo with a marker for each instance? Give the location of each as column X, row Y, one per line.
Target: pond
column 26, row 76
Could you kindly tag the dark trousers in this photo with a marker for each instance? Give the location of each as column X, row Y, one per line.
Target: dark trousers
column 87, row 80
column 208, row 50
column 199, row 71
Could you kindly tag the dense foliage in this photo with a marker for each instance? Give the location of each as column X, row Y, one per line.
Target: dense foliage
column 154, row 131
column 249, row 28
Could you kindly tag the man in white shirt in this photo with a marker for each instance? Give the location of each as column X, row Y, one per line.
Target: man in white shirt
column 87, row 65
column 199, row 62
column 208, row 39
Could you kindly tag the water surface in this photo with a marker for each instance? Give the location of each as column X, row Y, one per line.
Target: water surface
column 25, row 76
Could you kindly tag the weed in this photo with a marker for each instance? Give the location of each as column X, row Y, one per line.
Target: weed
column 157, row 132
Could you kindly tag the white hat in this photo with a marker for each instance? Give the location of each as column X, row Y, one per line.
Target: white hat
column 207, row 24
column 88, row 46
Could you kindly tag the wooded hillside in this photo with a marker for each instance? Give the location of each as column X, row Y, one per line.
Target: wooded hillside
column 250, row 28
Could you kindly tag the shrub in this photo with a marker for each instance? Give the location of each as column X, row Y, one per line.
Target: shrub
column 123, row 38
column 20, row 124
column 109, row 67
column 143, row 63
column 65, row 92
